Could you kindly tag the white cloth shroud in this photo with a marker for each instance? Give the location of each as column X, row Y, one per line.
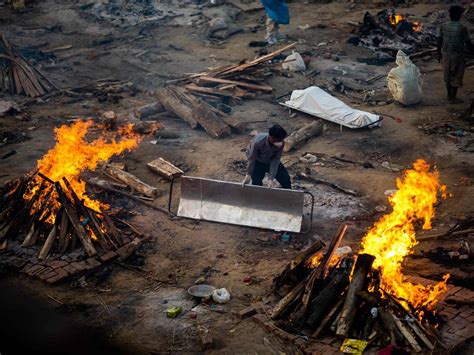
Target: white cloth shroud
column 319, row 103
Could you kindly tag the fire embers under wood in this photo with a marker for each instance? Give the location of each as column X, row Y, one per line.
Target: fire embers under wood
column 388, row 32
column 60, row 225
column 344, row 297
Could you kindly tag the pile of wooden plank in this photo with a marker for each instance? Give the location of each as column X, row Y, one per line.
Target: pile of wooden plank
column 342, row 296
column 195, row 98
column 18, row 75
column 57, row 219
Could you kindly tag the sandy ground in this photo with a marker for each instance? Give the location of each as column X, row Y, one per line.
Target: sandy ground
column 128, row 305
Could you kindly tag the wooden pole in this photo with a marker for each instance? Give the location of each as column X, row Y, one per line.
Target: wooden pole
column 358, row 282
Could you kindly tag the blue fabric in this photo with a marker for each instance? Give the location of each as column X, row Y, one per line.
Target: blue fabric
column 277, row 10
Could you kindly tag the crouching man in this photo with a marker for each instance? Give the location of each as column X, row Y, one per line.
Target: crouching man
column 264, row 154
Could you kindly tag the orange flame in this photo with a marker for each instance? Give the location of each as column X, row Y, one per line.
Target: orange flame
column 393, row 237
column 73, row 154
column 395, row 19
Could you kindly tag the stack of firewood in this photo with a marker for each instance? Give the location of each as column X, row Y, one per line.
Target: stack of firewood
column 56, row 219
column 196, row 98
column 18, row 75
column 343, row 297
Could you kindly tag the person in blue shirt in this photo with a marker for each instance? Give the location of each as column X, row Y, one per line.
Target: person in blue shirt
column 277, row 14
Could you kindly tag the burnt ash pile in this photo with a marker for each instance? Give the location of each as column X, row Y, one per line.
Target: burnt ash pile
column 124, row 13
column 386, row 33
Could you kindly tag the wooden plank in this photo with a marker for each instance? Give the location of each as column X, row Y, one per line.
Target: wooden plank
column 210, row 91
column 164, row 168
column 48, row 243
column 207, row 79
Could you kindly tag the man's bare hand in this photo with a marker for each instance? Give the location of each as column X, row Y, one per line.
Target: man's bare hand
column 246, row 180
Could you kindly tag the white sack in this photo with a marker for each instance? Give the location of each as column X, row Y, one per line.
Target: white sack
column 405, row 81
column 319, row 103
column 294, row 62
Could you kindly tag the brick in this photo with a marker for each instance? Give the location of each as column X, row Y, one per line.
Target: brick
column 25, row 268
column 452, row 290
column 93, row 263
column 18, row 263
column 466, row 311
column 69, row 269
column 80, row 266
column 35, row 269
column 57, row 264
column 61, row 276
column 45, row 270
column 46, row 275
column 246, row 312
column 465, row 294
column 110, row 256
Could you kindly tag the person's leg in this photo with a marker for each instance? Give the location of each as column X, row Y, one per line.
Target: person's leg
column 259, row 173
column 283, row 177
column 272, row 29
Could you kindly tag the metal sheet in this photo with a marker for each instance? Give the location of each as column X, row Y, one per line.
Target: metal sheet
column 229, row 202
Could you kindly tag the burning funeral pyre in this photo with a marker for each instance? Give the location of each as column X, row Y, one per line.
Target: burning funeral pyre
column 389, row 32
column 366, row 296
column 49, row 211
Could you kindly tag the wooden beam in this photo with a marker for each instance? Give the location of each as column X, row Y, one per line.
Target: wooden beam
column 207, row 79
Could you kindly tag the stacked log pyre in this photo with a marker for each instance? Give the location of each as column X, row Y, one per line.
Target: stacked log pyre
column 18, row 75
column 342, row 296
column 202, row 99
column 48, row 216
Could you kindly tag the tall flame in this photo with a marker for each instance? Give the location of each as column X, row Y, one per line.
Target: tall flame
column 73, row 154
column 393, row 237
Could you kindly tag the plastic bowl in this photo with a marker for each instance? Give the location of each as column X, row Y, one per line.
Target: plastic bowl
column 201, row 290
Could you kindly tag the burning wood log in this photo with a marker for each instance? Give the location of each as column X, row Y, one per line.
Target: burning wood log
column 131, row 180
column 359, row 279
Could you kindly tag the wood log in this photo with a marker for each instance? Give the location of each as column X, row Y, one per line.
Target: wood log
column 328, row 317
column 80, row 231
column 358, row 282
column 93, row 224
column 390, row 326
column 315, row 180
column 111, row 227
column 207, row 79
column 285, row 303
column 132, row 181
column 62, row 237
column 210, row 121
column 406, row 333
column 123, row 193
column 325, row 300
column 235, row 123
column 48, row 243
column 211, row 91
column 413, row 326
column 297, row 138
column 176, row 101
column 321, row 270
column 164, row 168
column 296, row 270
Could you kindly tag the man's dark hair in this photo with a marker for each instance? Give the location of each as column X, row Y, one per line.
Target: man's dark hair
column 455, row 12
column 277, row 132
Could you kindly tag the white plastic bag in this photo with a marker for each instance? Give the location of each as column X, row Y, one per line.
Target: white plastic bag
column 405, row 81
column 221, row 295
column 294, row 62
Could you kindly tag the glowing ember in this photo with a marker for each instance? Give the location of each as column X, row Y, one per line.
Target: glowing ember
column 393, row 237
column 73, row 154
column 395, row 19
